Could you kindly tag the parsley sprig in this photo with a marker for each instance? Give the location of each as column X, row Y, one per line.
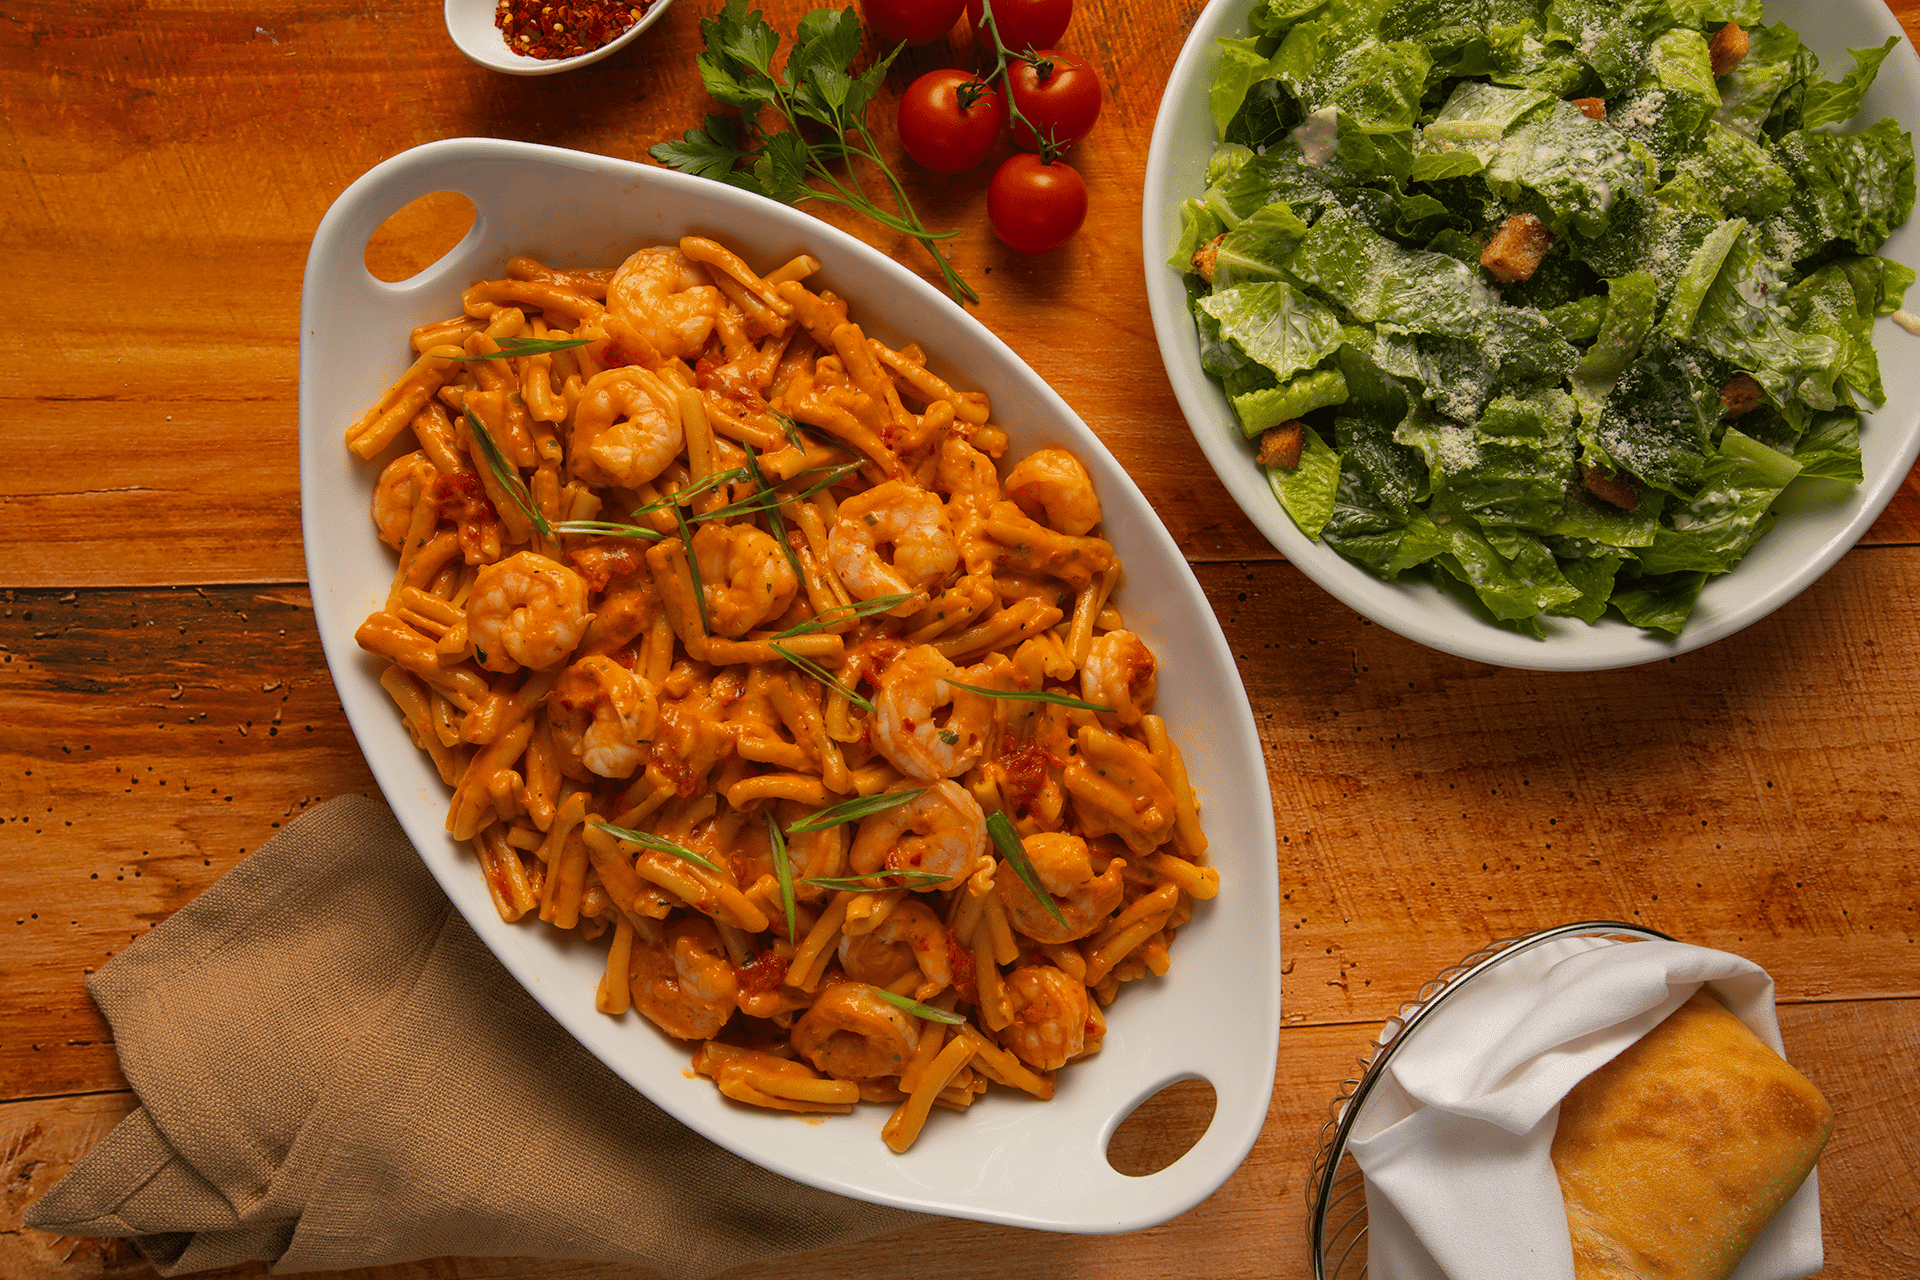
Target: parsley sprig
column 817, row 88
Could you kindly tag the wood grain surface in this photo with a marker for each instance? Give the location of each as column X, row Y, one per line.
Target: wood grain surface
column 168, row 707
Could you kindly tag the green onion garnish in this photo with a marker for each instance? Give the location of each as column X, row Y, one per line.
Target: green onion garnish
column 864, row 884
column 681, row 496
column 527, row 347
column 851, row 810
column 820, row 673
column 508, row 477
column 1008, row 842
column 845, row 613
column 693, row 564
column 774, row 520
column 608, row 529
column 768, row 497
column 923, row 1011
column 1030, row 695
column 656, row 844
column 782, row 871
column 791, row 429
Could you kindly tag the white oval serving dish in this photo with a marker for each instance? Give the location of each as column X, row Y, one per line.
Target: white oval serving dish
column 470, row 23
column 1009, row 1159
column 1819, row 520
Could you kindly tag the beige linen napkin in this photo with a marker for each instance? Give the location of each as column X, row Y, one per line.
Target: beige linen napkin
column 334, row 1072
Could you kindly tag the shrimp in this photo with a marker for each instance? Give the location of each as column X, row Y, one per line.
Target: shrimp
column 911, row 936
column 908, row 727
column 942, row 832
column 685, row 983
column 401, row 486
column 744, row 577
column 1050, row 1016
column 1120, row 674
column 668, row 297
column 908, row 521
column 602, row 715
column 526, row 610
column 1064, row 866
column 850, row 1033
column 1052, row 486
column 626, row 429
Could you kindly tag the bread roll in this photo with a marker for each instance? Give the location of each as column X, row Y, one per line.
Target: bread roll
column 1677, row 1154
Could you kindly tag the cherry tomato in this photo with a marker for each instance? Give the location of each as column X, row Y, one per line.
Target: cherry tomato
column 912, row 21
column 1063, row 103
column 942, row 133
column 1024, row 24
column 1033, row 206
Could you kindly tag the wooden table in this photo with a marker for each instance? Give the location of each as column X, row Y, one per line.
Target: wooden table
column 168, row 708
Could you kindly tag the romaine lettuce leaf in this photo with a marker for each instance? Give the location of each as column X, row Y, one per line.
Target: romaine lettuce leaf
column 1749, row 91
column 1258, row 248
column 1655, row 423
column 1277, row 325
column 1307, row 492
column 1593, row 577
column 1512, row 470
column 1601, row 524
column 1715, row 528
column 1398, row 474
column 1260, row 410
column 1830, row 448
column 1854, row 188
column 1738, row 173
column 1580, row 168
column 1830, row 103
column 1838, row 301
column 1674, row 97
column 1242, row 65
column 1515, row 577
column 1659, row 602
column 1198, row 224
column 1632, row 303
column 1744, row 320
column 1465, row 134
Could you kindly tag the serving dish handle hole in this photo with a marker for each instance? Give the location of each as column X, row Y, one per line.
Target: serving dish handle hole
column 1162, row 1127
column 398, row 232
column 417, row 235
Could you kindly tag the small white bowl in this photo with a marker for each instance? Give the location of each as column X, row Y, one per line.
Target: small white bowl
column 1818, row 520
column 470, row 23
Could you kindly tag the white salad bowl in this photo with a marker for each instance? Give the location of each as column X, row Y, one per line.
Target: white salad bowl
column 1818, row 520
column 1009, row 1159
column 470, row 23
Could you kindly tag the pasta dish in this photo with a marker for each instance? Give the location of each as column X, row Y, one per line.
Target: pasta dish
column 737, row 650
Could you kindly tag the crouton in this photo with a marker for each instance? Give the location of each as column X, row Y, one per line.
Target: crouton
column 1517, row 248
column 1592, row 108
column 1741, row 395
column 1617, row 488
column 1207, row 256
column 1727, row 48
column 1280, row 446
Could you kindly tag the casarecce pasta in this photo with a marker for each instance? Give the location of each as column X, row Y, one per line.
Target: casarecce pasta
column 736, row 650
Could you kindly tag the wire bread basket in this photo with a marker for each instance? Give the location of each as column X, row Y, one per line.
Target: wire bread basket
column 1336, row 1191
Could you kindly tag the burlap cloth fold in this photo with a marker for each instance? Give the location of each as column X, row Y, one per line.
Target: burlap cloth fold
column 334, row 1072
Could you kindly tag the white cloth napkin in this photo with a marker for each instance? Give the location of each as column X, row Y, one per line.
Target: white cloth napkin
column 1454, row 1137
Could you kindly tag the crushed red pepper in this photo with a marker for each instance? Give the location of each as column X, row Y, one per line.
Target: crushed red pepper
column 563, row 28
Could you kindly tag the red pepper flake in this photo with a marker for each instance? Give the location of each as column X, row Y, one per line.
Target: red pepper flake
column 564, row 28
